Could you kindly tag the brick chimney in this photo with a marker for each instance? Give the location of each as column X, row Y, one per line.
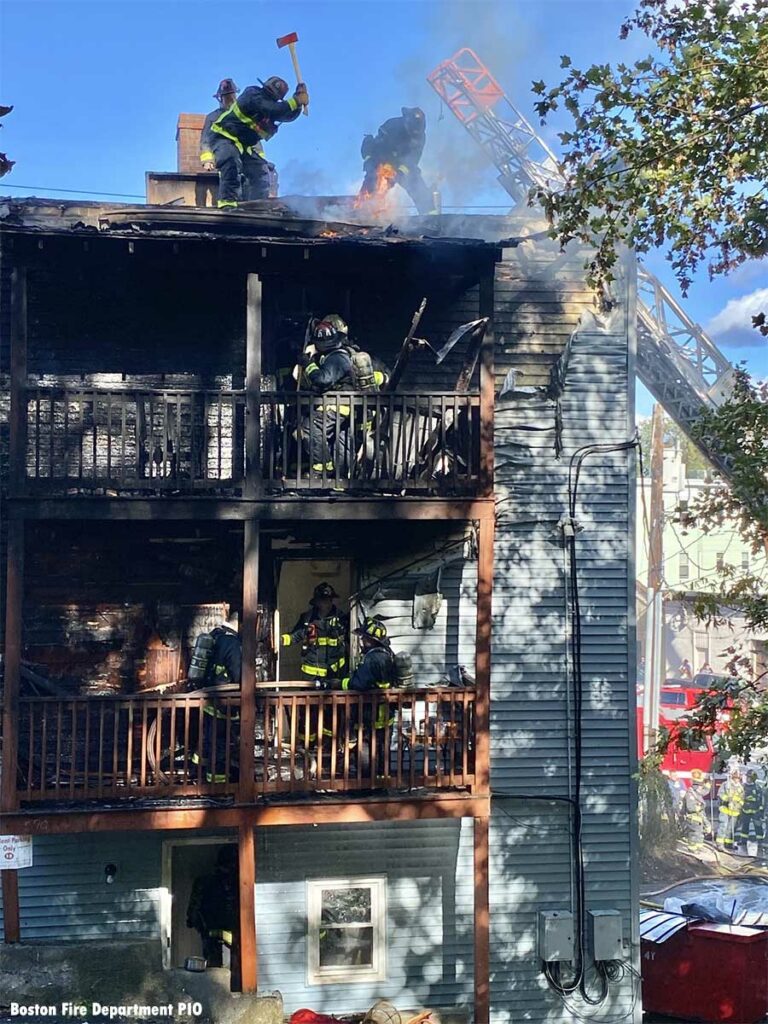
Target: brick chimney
column 188, row 142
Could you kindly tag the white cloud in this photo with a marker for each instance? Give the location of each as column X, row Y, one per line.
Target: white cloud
column 733, row 324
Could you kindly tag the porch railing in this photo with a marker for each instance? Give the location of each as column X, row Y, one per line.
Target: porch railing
column 192, row 441
column 114, row 748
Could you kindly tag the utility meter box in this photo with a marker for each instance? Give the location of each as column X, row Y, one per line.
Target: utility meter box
column 606, row 941
column 555, row 935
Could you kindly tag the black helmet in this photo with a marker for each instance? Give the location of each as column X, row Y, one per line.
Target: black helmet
column 374, row 629
column 415, row 121
column 227, row 87
column 323, row 590
column 326, row 337
column 276, row 87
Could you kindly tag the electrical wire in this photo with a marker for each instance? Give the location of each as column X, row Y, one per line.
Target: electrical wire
column 74, row 191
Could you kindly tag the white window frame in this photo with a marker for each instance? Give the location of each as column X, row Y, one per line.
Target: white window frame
column 347, row 973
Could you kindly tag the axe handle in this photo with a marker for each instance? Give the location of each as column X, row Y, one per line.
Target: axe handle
column 296, row 68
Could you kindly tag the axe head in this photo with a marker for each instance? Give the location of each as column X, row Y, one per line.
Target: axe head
column 292, row 37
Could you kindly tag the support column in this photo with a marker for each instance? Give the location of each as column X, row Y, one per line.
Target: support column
column 483, row 626
column 246, row 857
column 487, row 390
column 17, row 427
column 482, row 923
column 253, row 387
column 248, row 678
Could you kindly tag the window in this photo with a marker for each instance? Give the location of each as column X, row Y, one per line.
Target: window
column 720, row 560
column 346, row 921
column 745, row 560
column 684, row 567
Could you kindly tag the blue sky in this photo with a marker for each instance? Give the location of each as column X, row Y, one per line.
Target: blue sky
column 97, row 88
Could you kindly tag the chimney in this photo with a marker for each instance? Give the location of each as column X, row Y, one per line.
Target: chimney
column 188, row 142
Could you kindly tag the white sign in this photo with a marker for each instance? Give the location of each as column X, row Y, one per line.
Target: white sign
column 15, row 852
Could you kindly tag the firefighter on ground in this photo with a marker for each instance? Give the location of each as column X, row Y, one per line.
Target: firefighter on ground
column 376, row 672
column 237, row 134
column 694, row 811
column 213, row 908
column 750, row 826
column 731, row 800
column 392, row 156
column 322, row 633
column 337, row 365
column 225, row 663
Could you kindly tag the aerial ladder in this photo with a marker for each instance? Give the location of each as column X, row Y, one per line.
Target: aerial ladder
column 676, row 360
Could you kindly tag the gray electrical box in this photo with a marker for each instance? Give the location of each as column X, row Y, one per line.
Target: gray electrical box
column 605, row 934
column 555, row 935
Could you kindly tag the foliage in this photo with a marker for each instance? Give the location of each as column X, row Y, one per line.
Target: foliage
column 669, row 150
column 658, row 828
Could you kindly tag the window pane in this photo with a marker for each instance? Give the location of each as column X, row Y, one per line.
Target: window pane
column 346, row 947
column 346, row 906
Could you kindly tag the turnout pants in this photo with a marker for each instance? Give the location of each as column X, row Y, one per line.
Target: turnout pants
column 242, row 176
column 749, row 827
column 726, row 828
column 329, row 447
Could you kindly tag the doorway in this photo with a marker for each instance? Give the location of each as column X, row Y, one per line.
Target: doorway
column 184, row 860
column 297, row 580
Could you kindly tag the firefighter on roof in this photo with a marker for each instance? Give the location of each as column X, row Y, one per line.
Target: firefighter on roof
column 392, row 158
column 322, row 632
column 337, row 365
column 237, row 135
column 226, row 94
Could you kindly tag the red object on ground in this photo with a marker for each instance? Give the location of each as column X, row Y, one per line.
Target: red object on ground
column 305, row 1016
column 708, row 972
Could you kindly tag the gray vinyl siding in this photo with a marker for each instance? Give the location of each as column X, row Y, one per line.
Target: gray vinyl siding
column 531, row 717
column 429, row 931
column 429, row 874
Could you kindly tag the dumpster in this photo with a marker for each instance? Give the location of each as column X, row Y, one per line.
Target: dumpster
column 708, row 972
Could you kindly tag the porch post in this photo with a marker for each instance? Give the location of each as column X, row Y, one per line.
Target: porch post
column 253, row 387
column 248, row 676
column 482, row 923
column 486, row 529
column 246, row 855
column 487, row 390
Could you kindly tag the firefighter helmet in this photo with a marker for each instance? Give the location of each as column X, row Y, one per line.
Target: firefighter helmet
column 696, row 775
column 414, row 120
column 375, row 630
column 323, row 590
column 227, row 87
column 276, row 87
column 326, row 337
column 335, row 321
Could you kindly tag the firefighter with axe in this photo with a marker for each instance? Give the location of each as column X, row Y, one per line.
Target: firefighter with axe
column 238, row 135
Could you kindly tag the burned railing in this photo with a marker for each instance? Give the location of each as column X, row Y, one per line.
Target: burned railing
column 114, row 748
column 194, row 441
column 417, row 442
column 134, row 440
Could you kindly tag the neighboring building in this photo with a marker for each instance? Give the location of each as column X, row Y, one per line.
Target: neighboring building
column 692, row 560
column 153, row 476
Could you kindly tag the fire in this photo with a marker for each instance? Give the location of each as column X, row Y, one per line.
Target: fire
column 386, row 176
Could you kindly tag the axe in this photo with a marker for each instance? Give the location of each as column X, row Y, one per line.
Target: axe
column 290, row 41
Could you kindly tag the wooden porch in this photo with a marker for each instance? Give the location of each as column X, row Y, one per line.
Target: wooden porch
column 147, row 746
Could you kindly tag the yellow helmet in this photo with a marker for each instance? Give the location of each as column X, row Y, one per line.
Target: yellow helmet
column 697, row 775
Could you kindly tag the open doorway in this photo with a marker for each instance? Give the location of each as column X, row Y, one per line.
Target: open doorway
column 185, row 860
column 297, row 580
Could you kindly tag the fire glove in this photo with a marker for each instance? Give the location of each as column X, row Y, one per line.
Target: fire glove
column 301, row 95
column 209, row 165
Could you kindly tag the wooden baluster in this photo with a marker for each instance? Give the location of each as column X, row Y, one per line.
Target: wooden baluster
column 173, row 706
column 346, row 738
column 400, row 744
column 378, row 405
column 228, row 741
column 100, row 760
column 59, row 710
column 334, row 737
column 87, row 748
column 30, row 762
column 52, row 434
column 143, row 754
column 293, row 745
column 185, row 754
column 73, row 749
column 161, row 708
column 129, row 747
column 123, row 437
column 38, row 439
column 44, row 751
column 115, row 743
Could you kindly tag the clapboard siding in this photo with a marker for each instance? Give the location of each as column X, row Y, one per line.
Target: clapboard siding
column 530, row 727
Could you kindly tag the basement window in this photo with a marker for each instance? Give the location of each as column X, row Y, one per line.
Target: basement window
column 346, row 925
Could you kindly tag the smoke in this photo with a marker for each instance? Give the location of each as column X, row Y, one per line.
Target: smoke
column 500, row 37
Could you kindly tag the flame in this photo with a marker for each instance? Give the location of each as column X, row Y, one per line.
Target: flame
column 376, row 199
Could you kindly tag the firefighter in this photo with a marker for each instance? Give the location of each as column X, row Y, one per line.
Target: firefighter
column 392, row 158
column 322, row 632
column 375, row 672
column 731, row 801
column 224, row 666
column 676, row 792
column 694, row 811
column 750, row 825
column 213, row 907
column 226, row 94
column 238, row 134
column 337, row 365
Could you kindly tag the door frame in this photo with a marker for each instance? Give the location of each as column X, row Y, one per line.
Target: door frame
column 166, row 881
